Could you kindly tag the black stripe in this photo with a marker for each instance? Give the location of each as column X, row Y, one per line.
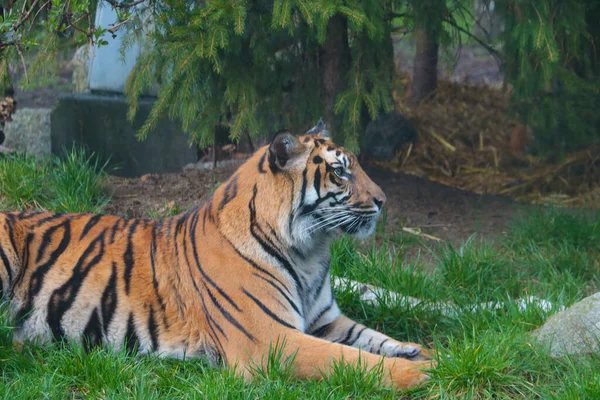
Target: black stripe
column 132, row 342
column 303, row 190
column 319, row 315
column 27, row 214
column 230, row 192
column 62, row 299
column 334, row 180
column 48, row 219
column 128, row 256
column 204, row 221
column 89, row 225
column 211, row 218
column 292, row 212
column 270, row 282
column 108, row 303
column 212, row 324
column 269, row 249
column 348, row 335
column 114, row 229
column 187, row 260
column 193, row 224
column 24, row 263
column 211, row 319
column 92, row 334
column 37, row 277
column 180, row 223
column 45, row 242
column 153, row 329
column 6, row 263
column 11, row 233
column 154, row 279
column 322, row 279
column 261, row 163
column 267, row 311
column 228, row 316
column 351, row 343
column 317, row 182
column 381, row 345
column 175, row 240
column 307, row 208
column 323, row 330
column 257, row 267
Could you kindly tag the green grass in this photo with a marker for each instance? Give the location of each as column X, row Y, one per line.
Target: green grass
column 482, row 353
column 72, row 183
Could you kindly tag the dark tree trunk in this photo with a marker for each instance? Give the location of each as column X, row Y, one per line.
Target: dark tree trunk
column 426, row 61
column 336, row 61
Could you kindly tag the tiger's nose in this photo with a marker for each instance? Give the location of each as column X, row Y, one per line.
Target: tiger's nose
column 379, row 200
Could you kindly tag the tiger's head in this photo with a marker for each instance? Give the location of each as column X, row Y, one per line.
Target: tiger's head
column 332, row 192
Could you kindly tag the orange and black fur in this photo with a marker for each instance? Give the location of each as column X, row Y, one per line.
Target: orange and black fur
column 225, row 281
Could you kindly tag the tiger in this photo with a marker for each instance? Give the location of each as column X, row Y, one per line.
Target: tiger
column 225, row 281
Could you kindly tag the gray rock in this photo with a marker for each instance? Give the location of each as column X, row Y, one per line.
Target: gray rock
column 81, row 67
column 29, row 131
column 385, row 136
column 575, row 330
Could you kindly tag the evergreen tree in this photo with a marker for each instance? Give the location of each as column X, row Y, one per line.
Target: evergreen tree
column 257, row 66
column 553, row 69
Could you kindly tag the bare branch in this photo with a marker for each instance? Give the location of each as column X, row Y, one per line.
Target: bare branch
column 72, row 24
column 26, row 16
column 46, row 4
column 117, row 4
column 22, row 61
column 116, row 27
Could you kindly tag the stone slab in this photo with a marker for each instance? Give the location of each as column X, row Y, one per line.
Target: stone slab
column 100, row 124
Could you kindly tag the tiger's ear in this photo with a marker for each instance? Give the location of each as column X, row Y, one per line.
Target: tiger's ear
column 319, row 130
column 284, row 147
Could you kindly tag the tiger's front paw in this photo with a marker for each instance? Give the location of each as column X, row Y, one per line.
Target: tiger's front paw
column 407, row 374
column 408, row 350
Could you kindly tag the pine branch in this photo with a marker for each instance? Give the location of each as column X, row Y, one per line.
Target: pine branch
column 497, row 55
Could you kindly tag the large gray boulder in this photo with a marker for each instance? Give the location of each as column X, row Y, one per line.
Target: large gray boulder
column 385, row 136
column 575, row 330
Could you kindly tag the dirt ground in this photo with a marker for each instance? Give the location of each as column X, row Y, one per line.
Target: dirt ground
column 435, row 209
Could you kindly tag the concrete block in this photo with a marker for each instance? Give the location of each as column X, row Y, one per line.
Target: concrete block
column 100, row 123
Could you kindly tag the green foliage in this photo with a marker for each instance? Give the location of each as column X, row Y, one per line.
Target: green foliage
column 256, row 66
column 73, row 183
column 554, row 71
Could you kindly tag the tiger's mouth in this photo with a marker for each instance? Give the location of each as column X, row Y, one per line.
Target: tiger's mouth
column 362, row 226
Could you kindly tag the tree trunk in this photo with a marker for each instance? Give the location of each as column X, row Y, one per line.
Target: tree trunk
column 336, row 61
column 426, row 61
